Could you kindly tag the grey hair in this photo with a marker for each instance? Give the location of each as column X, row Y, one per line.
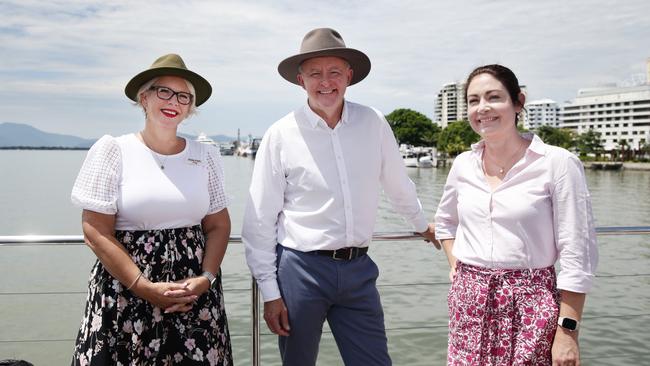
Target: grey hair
column 146, row 86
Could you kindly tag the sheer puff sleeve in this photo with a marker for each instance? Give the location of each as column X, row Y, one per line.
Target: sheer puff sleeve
column 96, row 187
column 216, row 181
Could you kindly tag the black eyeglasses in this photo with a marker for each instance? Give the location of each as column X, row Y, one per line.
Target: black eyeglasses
column 165, row 93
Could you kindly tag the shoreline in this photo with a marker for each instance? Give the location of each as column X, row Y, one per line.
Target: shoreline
column 616, row 165
column 636, row 166
column 587, row 164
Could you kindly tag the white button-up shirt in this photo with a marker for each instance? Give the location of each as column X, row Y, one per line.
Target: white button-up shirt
column 317, row 188
column 540, row 213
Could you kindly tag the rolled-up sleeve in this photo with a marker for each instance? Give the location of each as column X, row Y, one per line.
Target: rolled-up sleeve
column 574, row 229
column 446, row 218
column 265, row 202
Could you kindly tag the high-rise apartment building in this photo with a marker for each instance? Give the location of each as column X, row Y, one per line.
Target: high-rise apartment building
column 544, row 112
column 450, row 104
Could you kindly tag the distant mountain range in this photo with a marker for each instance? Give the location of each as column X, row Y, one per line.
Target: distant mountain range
column 22, row 135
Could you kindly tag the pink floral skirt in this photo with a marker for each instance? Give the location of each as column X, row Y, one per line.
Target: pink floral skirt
column 502, row 317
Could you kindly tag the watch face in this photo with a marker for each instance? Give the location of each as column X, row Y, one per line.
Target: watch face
column 569, row 324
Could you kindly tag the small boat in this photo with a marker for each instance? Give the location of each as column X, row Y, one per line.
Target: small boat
column 204, row 139
column 418, row 160
column 410, row 160
column 418, row 156
column 425, row 161
column 227, row 149
column 249, row 149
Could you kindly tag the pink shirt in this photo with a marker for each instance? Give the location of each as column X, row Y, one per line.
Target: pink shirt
column 539, row 214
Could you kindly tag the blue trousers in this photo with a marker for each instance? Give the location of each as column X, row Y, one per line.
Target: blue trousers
column 315, row 288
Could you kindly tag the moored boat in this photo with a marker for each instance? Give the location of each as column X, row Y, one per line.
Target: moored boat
column 204, row 139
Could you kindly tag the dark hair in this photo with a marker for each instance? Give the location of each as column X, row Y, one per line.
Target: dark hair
column 501, row 73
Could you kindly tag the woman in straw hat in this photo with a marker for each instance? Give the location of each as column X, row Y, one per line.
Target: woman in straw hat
column 154, row 213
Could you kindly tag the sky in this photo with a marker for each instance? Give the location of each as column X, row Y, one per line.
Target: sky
column 64, row 63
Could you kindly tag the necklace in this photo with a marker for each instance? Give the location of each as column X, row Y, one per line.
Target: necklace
column 502, row 169
column 161, row 164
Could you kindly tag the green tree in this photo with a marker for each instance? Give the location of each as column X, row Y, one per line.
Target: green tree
column 556, row 136
column 413, row 128
column 624, row 150
column 589, row 143
column 457, row 137
column 644, row 151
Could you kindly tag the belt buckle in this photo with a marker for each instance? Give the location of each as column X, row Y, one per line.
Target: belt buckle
column 339, row 251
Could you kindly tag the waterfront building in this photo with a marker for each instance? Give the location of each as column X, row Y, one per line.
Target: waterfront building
column 450, row 104
column 618, row 113
column 543, row 112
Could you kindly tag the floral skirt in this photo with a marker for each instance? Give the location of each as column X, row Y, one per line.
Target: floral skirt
column 119, row 328
column 502, row 317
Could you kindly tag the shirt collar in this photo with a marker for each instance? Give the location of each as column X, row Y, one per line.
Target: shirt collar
column 313, row 118
column 536, row 145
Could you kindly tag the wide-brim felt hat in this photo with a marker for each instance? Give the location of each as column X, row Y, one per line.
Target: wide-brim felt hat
column 323, row 42
column 170, row 65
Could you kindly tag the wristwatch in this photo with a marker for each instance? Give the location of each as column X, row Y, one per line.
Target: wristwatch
column 212, row 278
column 568, row 323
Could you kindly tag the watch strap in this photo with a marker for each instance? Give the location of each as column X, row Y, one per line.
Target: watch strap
column 211, row 277
column 569, row 324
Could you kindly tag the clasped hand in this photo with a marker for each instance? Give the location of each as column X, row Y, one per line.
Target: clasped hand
column 176, row 296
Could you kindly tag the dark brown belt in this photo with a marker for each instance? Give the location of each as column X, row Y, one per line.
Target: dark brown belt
column 344, row 254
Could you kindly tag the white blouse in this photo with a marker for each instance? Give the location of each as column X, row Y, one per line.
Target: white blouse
column 121, row 176
column 541, row 213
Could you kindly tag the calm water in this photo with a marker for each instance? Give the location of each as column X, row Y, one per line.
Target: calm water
column 34, row 196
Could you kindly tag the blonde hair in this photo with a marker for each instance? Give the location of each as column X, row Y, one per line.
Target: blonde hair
column 147, row 86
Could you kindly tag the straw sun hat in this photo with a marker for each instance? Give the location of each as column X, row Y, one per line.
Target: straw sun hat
column 323, row 42
column 170, row 65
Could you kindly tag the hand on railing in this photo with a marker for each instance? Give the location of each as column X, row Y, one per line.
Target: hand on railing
column 430, row 235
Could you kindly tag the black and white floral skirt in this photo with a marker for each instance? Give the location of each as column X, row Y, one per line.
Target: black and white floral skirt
column 119, row 328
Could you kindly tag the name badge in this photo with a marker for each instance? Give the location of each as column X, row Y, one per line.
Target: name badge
column 191, row 161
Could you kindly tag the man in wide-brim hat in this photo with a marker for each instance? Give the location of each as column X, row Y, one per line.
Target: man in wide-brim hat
column 313, row 200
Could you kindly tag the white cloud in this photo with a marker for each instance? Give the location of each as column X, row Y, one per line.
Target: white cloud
column 74, row 57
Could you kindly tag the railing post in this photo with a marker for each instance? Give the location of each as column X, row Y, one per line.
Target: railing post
column 255, row 319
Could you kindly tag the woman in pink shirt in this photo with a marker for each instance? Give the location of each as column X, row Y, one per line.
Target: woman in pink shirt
column 512, row 207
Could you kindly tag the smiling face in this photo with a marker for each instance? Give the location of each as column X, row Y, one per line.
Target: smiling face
column 490, row 109
column 325, row 80
column 162, row 113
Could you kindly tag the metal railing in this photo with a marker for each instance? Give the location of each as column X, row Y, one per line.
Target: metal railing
column 20, row 240
column 14, row 240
